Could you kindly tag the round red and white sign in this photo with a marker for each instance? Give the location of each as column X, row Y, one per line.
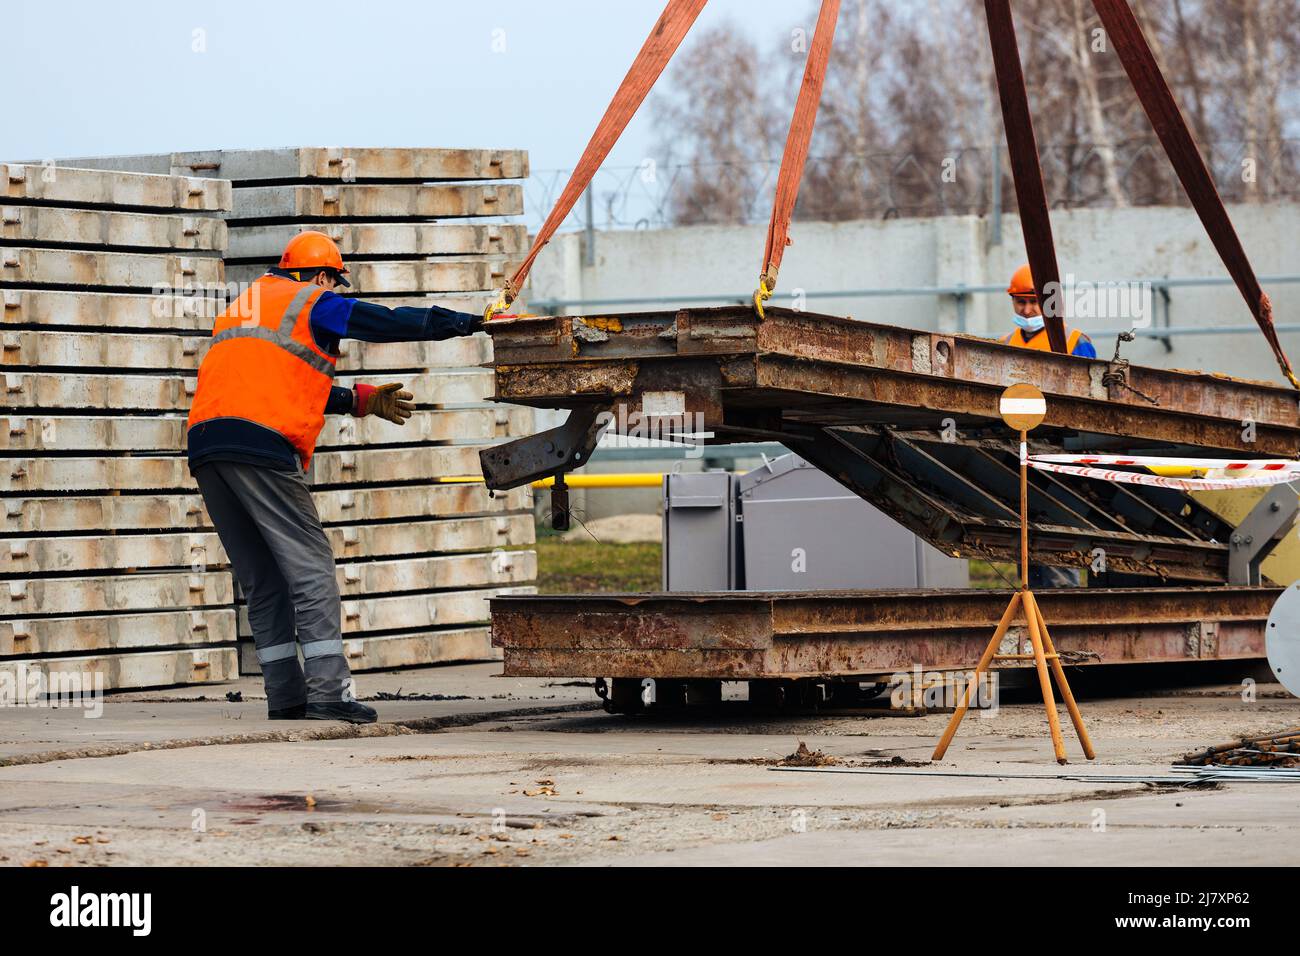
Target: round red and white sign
column 1022, row 406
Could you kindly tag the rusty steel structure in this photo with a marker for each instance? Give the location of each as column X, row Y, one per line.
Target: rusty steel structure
column 863, row 635
column 778, row 376
column 908, row 420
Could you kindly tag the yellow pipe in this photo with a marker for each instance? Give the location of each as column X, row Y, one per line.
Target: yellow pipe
column 630, row 480
column 647, row 479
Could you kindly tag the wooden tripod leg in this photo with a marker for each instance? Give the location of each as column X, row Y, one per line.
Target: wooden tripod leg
column 1044, row 681
column 1007, row 616
column 1059, row 672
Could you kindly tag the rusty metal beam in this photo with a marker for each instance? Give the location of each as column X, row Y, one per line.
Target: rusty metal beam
column 558, row 361
column 742, row 636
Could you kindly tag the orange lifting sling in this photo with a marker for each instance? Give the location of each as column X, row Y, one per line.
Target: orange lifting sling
column 659, row 47
column 796, row 150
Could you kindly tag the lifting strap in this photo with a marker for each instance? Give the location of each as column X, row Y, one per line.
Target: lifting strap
column 796, row 151
column 1144, row 72
column 659, row 47
column 1022, row 151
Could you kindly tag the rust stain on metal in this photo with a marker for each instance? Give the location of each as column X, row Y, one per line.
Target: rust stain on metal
column 741, row 635
column 860, row 360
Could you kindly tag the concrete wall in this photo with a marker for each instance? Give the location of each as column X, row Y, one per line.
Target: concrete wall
column 1093, row 244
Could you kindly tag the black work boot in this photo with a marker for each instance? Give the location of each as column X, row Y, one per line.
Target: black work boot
column 349, row 710
column 296, row 712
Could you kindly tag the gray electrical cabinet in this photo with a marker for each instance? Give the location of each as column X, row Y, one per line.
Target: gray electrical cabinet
column 787, row 526
column 700, row 532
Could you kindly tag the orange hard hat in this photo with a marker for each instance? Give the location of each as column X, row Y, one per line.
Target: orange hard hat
column 314, row 250
column 1022, row 283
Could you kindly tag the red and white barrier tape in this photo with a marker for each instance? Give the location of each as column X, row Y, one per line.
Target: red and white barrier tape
column 1158, row 481
column 1140, row 461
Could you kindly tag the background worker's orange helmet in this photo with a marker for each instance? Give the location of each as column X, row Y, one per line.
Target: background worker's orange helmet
column 313, row 250
column 1022, row 283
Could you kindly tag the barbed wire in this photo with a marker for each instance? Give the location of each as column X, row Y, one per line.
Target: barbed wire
column 910, row 184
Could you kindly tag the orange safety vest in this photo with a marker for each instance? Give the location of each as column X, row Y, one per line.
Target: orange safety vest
column 1040, row 341
column 264, row 366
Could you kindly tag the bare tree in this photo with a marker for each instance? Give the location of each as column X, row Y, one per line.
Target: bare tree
column 711, row 123
column 909, row 111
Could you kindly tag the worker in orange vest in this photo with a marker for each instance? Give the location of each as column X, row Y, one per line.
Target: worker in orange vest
column 264, row 389
column 1029, row 333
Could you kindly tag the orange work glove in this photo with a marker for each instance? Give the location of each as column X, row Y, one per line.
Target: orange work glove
column 390, row 402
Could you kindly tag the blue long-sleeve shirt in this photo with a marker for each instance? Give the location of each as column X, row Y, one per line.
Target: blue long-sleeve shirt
column 332, row 319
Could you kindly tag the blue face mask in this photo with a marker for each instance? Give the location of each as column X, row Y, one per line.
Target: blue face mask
column 1033, row 324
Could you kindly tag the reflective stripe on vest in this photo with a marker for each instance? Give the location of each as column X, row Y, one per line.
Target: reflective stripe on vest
column 283, row 336
column 1040, row 341
column 265, row 367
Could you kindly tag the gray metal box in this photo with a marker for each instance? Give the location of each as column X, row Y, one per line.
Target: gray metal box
column 803, row 530
column 787, row 526
column 699, row 535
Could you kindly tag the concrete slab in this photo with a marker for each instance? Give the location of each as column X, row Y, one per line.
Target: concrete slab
column 119, row 670
column 166, row 433
column 457, row 571
column 404, row 277
column 109, row 271
column 376, row 466
column 119, row 311
column 437, row 535
column 72, row 433
column 450, row 353
column 343, row 506
column 268, row 204
column 33, row 514
column 435, row 426
column 323, row 162
column 412, row 612
column 136, row 353
column 450, row 387
column 107, row 229
column 127, row 592
column 348, row 465
column 370, row 652
column 23, row 184
column 374, row 240
column 474, row 302
column 116, row 632
column 38, row 555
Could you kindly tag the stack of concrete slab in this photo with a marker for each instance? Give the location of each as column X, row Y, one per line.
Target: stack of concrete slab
column 418, row 556
column 109, row 567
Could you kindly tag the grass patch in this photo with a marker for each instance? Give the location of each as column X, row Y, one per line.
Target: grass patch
column 984, row 574
column 574, row 567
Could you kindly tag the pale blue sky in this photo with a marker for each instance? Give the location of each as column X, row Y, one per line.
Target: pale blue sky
column 96, row 78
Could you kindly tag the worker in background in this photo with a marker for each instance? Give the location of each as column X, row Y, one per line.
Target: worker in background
column 1030, row 333
column 264, row 389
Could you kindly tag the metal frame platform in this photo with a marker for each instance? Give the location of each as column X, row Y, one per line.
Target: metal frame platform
column 908, row 420
column 860, row 634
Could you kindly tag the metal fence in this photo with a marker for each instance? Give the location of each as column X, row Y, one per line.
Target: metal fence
column 886, row 185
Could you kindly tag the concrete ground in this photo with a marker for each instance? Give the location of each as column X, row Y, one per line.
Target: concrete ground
column 473, row 769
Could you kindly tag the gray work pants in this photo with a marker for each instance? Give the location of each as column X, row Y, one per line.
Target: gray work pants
column 267, row 523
